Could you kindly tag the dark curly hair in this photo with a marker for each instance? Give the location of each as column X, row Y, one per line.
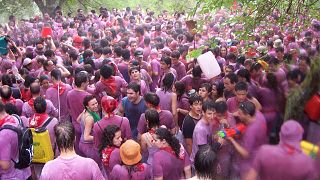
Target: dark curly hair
column 164, row 134
column 108, row 135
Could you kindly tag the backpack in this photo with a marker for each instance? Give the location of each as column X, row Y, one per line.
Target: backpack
column 25, row 144
column 42, row 145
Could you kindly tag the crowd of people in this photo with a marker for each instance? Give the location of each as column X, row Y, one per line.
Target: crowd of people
column 121, row 98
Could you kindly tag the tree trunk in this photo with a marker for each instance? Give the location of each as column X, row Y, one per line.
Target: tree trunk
column 48, row 6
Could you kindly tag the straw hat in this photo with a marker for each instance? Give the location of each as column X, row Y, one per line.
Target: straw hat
column 130, row 152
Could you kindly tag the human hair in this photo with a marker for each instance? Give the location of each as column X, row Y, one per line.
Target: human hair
column 56, row 74
column 65, row 135
column 134, row 86
column 49, row 53
column 232, row 77
column 81, row 77
column 146, row 40
column 221, row 107
column 244, row 73
column 280, row 49
column 255, row 67
column 35, row 88
column 140, row 30
column 205, row 162
column 305, row 58
column 132, row 68
column 241, row 86
column 195, row 98
column 40, row 105
column 175, row 54
column 220, row 88
column 86, row 44
column 165, row 134
column 104, row 43
column 207, row 86
column 86, row 100
column 108, row 135
column 152, row 98
column 167, row 82
column 5, row 92
column 6, row 80
column 106, row 71
column 118, row 51
column 28, row 80
column 166, row 60
column 73, row 55
column 231, row 56
column 180, row 89
column 98, row 50
column 106, row 50
column 248, row 108
column 11, row 109
column 125, row 54
column 196, row 71
column 272, row 82
column 293, row 75
column 152, row 116
column 208, row 105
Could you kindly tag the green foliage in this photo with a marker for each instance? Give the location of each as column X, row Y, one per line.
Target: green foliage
column 18, row 7
column 254, row 13
column 299, row 96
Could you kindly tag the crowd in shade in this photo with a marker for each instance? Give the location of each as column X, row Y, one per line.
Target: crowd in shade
column 121, row 98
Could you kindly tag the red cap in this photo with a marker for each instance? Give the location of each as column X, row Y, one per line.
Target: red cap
column 77, row 39
column 108, row 104
column 233, row 49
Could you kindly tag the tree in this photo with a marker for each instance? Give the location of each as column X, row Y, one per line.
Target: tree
column 49, row 6
column 251, row 13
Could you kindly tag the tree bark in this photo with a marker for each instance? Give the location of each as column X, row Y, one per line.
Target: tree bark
column 49, row 6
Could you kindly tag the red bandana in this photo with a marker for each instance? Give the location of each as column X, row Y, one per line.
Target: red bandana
column 111, row 84
column 31, row 103
column 140, row 167
column 37, row 120
column 62, row 87
column 106, row 154
column 170, row 151
column 7, row 118
column 10, row 100
column 152, row 131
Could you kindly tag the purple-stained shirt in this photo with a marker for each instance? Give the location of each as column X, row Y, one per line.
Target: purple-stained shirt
column 181, row 70
column 54, row 97
column 75, row 103
column 252, row 139
column 121, row 122
column 193, row 83
column 165, row 117
column 124, row 70
column 269, row 100
column 100, row 90
column 9, row 151
column 202, row 135
column 168, row 166
column 76, row 167
column 275, row 162
column 233, row 104
column 163, row 74
column 155, row 66
column 121, row 172
column 114, row 160
column 28, row 111
column 165, row 99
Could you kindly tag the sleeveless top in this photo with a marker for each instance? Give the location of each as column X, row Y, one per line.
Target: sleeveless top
column 82, row 126
column 133, row 111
